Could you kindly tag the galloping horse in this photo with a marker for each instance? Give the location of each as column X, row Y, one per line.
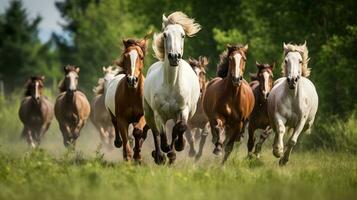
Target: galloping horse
column 261, row 84
column 72, row 107
column 228, row 101
column 171, row 88
column 199, row 121
column 124, row 98
column 99, row 116
column 36, row 111
column 293, row 101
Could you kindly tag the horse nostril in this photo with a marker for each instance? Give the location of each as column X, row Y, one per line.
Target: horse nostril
column 179, row 56
column 170, row 55
column 296, row 79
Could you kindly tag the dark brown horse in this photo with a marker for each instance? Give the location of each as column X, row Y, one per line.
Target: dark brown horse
column 72, row 107
column 124, row 98
column 228, row 100
column 36, row 111
column 199, row 121
column 99, row 115
column 262, row 83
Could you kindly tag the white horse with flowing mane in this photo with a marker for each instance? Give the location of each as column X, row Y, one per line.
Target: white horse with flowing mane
column 171, row 88
column 293, row 101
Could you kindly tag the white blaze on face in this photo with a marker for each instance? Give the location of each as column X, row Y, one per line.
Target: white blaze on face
column 133, row 56
column 293, row 65
column 197, row 71
column 36, row 89
column 237, row 59
column 266, row 76
column 72, row 81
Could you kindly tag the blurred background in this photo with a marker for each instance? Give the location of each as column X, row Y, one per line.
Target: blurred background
column 40, row 37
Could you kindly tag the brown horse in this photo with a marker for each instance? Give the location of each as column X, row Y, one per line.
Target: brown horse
column 228, row 100
column 262, row 83
column 124, row 98
column 36, row 111
column 72, row 107
column 99, row 115
column 199, row 121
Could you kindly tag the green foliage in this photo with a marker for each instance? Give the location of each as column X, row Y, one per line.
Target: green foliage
column 21, row 53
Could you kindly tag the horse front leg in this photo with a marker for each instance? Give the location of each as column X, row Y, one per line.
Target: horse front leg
column 278, row 146
column 179, row 129
column 204, row 135
column 292, row 141
column 65, row 134
column 123, row 128
column 217, row 133
column 117, row 140
column 139, row 137
column 191, row 142
column 251, row 140
column 263, row 137
column 27, row 133
column 231, row 134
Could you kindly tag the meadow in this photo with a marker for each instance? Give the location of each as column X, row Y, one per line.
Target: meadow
column 52, row 172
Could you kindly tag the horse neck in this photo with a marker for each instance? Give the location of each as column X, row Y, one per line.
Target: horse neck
column 170, row 73
column 70, row 97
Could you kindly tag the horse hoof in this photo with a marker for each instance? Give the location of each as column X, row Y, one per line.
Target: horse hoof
column 192, row 152
column 118, row 143
column 277, row 153
column 180, row 144
column 166, row 148
column 250, row 155
column 282, row 162
column 217, row 151
column 159, row 158
column 172, row 157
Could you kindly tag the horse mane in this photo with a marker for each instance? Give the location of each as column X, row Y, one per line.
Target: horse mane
column 188, row 24
column 302, row 49
column 223, row 64
column 99, row 89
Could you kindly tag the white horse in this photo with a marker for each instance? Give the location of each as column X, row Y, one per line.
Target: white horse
column 171, row 88
column 293, row 101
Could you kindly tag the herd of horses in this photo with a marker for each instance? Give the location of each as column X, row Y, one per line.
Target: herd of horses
column 174, row 89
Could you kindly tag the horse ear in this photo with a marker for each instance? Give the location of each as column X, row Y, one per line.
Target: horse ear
column 125, row 43
column 164, row 21
column 77, row 70
column 285, row 47
column 104, row 69
column 272, row 66
column 245, row 47
column 65, row 69
column 257, row 64
column 253, row 77
column 304, row 45
column 204, row 61
column 230, row 48
column 42, row 78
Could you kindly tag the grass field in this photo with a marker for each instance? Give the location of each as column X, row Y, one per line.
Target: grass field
column 54, row 173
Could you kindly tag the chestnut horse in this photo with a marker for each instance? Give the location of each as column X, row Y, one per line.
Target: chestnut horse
column 99, row 115
column 262, row 83
column 124, row 98
column 36, row 111
column 228, row 100
column 72, row 107
column 199, row 121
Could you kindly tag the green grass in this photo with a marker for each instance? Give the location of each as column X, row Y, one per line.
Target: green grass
column 53, row 173
column 36, row 174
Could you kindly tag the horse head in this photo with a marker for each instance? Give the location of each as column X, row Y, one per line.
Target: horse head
column 199, row 67
column 34, row 87
column 265, row 78
column 236, row 62
column 133, row 60
column 71, row 78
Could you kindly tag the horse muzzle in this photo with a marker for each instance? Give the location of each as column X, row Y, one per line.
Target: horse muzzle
column 174, row 59
column 292, row 81
column 132, row 81
column 237, row 80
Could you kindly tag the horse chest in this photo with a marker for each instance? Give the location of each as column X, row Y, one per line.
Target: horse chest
column 168, row 102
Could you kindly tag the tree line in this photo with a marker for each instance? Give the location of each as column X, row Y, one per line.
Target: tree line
column 95, row 29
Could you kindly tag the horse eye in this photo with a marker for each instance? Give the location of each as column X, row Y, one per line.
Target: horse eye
column 300, row 61
column 183, row 35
